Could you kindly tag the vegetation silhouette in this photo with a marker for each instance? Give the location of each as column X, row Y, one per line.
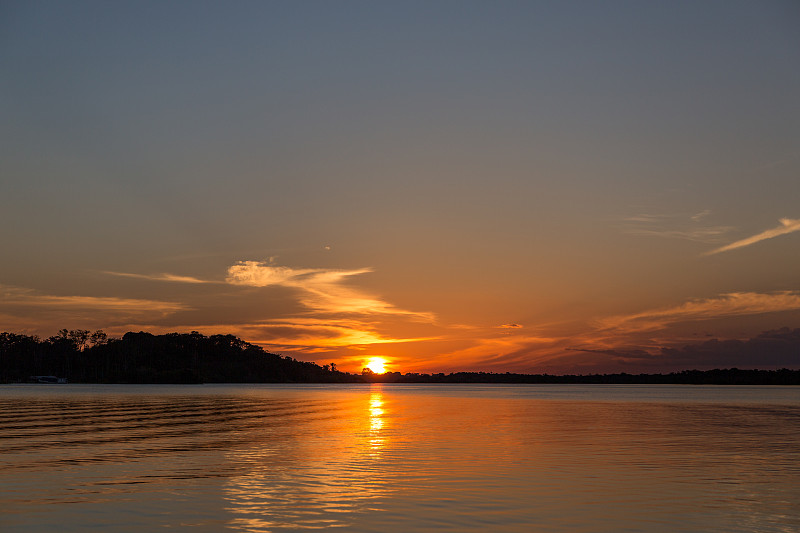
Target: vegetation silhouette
column 146, row 358
column 84, row 357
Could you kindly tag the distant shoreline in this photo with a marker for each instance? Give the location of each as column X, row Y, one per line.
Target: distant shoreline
column 728, row 376
column 723, row 377
column 77, row 356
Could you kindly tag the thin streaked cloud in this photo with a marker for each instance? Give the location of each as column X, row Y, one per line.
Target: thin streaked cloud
column 306, row 335
column 645, row 218
column 312, row 334
column 159, row 277
column 705, row 235
column 652, row 335
column 321, row 290
column 680, row 226
column 334, row 314
column 722, row 306
column 27, row 297
column 497, row 352
column 768, row 349
column 787, row 225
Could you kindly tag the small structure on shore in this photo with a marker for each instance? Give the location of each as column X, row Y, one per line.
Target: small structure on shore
column 47, row 379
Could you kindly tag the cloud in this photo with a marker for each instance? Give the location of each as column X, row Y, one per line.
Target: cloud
column 644, row 218
column 264, row 273
column 517, row 351
column 332, row 315
column 159, row 277
column 337, row 316
column 725, row 305
column 788, row 225
column 484, row 348
column 16, row 296
column 321, row 290
column 679, row 226
column 314, row 333
column 768, row 350
column 706, row 235
column 666, row 339
column 296, row 335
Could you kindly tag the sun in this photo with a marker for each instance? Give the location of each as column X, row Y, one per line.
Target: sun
column 377, row 364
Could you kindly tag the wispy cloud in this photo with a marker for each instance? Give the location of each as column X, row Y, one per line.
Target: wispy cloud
column 697, row 217
column 644, row 218
column 787, row 225
column 725, row 305
column 679, row 226
column 769, row 349
column 497, row 352
column 313, row 333
column 26, row 297
column 321, row 290
column 334, row 316
column 159, row 277
column 706, row 235
column 298, row 335
column 649, row 338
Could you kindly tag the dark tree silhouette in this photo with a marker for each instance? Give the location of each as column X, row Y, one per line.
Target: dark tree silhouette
column 194, row 358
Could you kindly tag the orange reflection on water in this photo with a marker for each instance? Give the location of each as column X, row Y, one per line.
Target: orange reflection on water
column 315, row 466
column 376, row 420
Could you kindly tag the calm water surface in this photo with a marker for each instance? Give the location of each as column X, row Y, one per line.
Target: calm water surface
column 527, row 458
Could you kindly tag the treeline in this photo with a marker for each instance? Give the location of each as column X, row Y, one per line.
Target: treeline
column 728, row 376
column 84, row 357
column 81, row 356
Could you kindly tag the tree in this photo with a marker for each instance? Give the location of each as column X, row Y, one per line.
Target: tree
column 98, row 337
column 79, row 337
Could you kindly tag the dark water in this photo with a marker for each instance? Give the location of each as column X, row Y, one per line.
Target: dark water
column 400, row 458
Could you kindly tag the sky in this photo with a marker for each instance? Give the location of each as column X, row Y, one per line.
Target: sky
column 560, row 187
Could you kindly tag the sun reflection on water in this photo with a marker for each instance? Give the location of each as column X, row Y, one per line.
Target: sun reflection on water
column 395, row 459
column 309, row 480
column 376, row 421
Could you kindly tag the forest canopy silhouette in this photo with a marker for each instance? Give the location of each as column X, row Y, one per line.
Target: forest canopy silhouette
column 81, row 356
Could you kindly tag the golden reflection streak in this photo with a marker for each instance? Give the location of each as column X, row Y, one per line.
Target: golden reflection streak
column 376, row 439
column 314, row 479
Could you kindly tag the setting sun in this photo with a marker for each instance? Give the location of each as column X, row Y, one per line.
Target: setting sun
column 377, row 364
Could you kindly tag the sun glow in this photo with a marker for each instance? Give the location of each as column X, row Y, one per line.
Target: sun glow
column 377, row 364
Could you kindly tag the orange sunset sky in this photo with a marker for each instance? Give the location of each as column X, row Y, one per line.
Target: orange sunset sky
column 562, row 187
